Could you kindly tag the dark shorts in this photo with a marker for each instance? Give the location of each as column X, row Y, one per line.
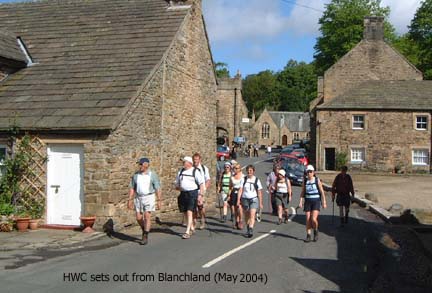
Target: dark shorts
column 343, row 200
column 249, row 203
column 281, row 199
column 187, row 201
column 312, row 205
column 233, row 198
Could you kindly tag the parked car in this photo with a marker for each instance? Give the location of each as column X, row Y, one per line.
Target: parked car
column 294, row 170
column 301, row 157
column 222, row 151
column 300, row 150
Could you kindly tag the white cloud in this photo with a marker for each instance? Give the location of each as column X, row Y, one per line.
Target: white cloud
column 401, row 13
column 240, row 19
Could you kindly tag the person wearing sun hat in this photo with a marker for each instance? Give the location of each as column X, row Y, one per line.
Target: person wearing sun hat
column 282, row 195
column 143, row 187
column 190, row 183
column 224, row 190
column 314, row 196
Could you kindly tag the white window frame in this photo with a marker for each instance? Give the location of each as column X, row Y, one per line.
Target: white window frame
column 354, row 121
column 265, row 130
column 425, row 122
column 423, row 157
column 354, row 151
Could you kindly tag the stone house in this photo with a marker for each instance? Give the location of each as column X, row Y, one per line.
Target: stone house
column 108, row 82
column 232, row 113
column 374, row 107
column 281, row 128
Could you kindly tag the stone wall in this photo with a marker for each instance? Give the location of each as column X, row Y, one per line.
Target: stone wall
column 173, row 116
column 388, row 138
column 231, row 107
column 369, row 60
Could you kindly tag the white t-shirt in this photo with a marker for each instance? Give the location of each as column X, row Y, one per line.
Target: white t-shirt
column 282, row 186
column 249, row 188
column 187, row 181
column 143, row 183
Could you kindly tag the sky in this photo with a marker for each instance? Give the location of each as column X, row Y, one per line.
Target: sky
column 256, row 35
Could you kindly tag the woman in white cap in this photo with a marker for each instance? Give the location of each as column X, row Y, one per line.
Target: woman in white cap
column 224, row 190
column 283, row 195
column 314, row 196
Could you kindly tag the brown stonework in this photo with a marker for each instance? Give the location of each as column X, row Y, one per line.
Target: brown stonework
column 231, row 109
column 388, row 138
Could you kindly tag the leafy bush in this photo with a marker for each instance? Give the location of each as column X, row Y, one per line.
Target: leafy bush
column 341, row 160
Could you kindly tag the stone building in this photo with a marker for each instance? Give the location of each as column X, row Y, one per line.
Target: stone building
column 109, row 82
column 281, row 128
column 232, row 113
column 373, row 107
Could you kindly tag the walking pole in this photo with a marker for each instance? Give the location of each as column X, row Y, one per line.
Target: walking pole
column 333, row 211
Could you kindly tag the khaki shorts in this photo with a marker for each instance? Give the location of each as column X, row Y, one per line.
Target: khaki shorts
column 145, row 203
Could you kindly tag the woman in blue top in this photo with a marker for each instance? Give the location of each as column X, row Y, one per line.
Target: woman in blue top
column 314, row 196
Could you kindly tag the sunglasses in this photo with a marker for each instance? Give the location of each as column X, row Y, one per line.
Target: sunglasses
column 309, row 171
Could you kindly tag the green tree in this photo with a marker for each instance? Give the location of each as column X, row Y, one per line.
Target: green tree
column 260, row 91
column 221, row 69
column 297, row 86
column 420, row 32
column 405, row 45
column 341, row 27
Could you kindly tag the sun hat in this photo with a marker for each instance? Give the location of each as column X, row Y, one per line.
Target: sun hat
column 282, row 172
column 310, row 168
column 188, row 159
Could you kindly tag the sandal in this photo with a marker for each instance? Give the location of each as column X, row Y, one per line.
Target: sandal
column 186, row 236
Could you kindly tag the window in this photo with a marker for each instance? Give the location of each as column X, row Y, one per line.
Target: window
column 2, row 158
column 358, row 122
column 421, row 122
column 357, row 155
column 296, row 136
column 420, row 157
column 265, row 130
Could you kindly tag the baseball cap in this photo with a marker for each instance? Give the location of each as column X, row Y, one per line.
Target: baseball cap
column 143, row 160
column 188, row 159
column 282, row 172
column 310, row 168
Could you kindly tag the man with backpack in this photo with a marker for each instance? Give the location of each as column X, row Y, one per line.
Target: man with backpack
column 190, row 183
column 200, row 213
column 142, row 190
column 250, row 196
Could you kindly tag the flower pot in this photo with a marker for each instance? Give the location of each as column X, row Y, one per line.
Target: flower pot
column 88, row 223
column 34, row 224
column 22, row 223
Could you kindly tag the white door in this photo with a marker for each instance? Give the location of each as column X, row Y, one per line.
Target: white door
column 65, row 184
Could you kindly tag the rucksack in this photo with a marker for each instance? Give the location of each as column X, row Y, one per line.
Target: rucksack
column 193, row 175
column 255, row 183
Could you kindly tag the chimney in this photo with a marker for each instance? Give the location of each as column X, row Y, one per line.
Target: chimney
column 373, row 28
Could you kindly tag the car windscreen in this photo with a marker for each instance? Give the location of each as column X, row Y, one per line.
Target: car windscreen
column 222, row 149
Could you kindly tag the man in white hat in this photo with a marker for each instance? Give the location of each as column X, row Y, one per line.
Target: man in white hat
column 190, row 183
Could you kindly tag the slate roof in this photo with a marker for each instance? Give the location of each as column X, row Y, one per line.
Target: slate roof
column 91, row 58
column 385, row 95
column 9, row 48
column 294, row 121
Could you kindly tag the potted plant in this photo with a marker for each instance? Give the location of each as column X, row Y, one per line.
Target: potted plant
column 88, row 222
column 36, row 213
column 22, row 221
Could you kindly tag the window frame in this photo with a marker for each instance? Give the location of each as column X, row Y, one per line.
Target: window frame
column 3, row 146
column 355, row 149
column 413, row 157
column 363, row 122
column 265, row 130
column 416, row 122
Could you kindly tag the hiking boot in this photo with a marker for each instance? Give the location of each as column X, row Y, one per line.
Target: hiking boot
column 232, row 218
column 279, row 221
column 286, row 219
column 315, row 239
column 308, row 238
column 250, row 233
column 144, row 239
column 224, row 218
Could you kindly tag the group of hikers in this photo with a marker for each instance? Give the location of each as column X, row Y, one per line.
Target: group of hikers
column 239, row 193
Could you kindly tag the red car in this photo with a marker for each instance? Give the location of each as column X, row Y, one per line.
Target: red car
column 222, row 151
column 296, row 155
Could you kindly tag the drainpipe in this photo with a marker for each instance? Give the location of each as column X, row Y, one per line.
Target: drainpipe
column 235, row 113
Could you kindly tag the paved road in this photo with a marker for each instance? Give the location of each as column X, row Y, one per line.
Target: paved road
column 279, row 262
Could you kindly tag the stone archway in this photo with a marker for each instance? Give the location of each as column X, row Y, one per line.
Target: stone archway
column 284, row 140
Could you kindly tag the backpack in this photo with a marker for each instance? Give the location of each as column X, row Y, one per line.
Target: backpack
column 135, row 180
column 255, row 183
column 193, row 174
